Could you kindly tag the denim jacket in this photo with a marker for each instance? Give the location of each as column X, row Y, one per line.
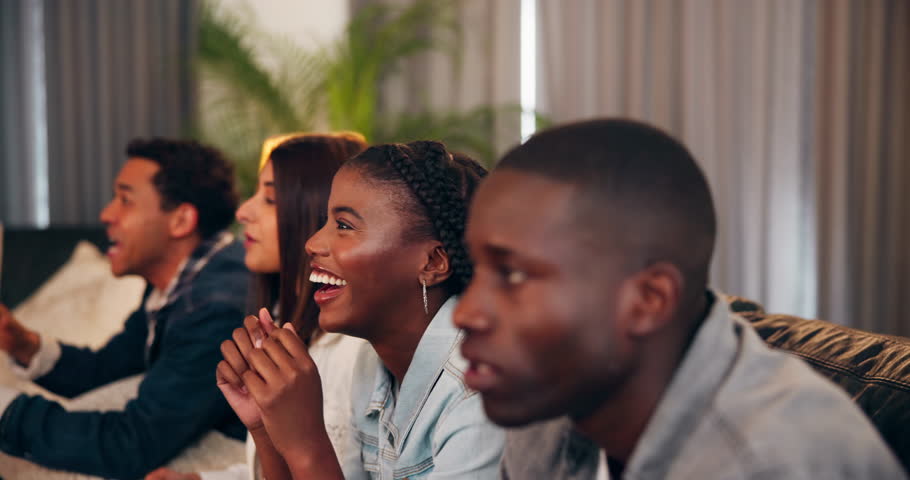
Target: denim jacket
column 735, row 409
column 434, row 427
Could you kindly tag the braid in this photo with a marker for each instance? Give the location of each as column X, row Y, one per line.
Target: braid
column 447, row 206
column 443, row 184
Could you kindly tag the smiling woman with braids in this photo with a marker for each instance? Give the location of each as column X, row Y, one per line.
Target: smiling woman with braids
column 391, row 260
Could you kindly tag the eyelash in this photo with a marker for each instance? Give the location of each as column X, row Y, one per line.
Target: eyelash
column 342, row 226
column 269, row 201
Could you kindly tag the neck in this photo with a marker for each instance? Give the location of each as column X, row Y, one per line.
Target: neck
column 164, row 271
column 396, row 346
column 618, row 423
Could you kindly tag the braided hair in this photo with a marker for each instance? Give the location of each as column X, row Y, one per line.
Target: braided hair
column 439, row 188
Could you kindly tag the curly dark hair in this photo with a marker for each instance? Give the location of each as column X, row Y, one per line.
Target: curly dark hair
column 440, row 185
column 191, row 173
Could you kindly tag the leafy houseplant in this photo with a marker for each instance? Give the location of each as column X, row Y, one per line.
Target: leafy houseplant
column 337, row 87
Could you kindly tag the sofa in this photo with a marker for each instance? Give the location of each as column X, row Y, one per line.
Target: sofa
column 874, row 369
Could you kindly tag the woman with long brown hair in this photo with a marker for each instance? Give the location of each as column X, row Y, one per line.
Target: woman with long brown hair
column 289, row 206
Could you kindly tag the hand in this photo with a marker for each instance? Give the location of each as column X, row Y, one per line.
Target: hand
column 229, row 371
column 285, row 383
column 20, row 342
column 165, row 473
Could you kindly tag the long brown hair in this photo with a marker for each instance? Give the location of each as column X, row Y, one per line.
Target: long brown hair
column 303, row 166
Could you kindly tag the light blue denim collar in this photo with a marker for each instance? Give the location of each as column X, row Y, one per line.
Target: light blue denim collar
column 437, row 344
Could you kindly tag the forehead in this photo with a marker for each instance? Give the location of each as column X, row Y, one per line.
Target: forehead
column 525, row 213
column 350, row 188
column 267, row 174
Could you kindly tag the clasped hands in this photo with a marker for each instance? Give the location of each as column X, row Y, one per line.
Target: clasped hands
column 272, row 383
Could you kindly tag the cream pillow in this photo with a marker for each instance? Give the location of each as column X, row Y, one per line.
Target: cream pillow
column 84, row 304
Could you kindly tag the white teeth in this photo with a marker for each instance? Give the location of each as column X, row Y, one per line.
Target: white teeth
column 326, row 279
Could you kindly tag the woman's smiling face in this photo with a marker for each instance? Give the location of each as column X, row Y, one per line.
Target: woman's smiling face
column 364, row 256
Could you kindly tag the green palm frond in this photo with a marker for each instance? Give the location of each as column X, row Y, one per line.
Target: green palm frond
column 337, row 85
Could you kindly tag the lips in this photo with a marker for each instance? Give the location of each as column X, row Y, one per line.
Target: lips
column 114, row 248
column 480, row 376
column 332, row 285
column 248, row 240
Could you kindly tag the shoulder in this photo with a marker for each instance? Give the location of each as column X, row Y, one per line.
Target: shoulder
column 223, row 279
column 542, row 449
column 778, row 414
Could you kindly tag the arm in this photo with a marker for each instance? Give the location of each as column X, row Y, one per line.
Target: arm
column 177, row 402
column 79, row 370
column 273, row 465
column 466, row 444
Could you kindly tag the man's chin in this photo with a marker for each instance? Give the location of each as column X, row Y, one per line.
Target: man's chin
column 119, row 270
column 512, row 413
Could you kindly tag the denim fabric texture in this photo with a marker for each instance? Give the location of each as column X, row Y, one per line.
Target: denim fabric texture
column 432, row 427
column 735, row 409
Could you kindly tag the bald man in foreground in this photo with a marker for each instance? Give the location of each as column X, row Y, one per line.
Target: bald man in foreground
column 590, row 314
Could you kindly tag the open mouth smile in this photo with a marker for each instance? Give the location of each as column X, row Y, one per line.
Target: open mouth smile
column 332, row 285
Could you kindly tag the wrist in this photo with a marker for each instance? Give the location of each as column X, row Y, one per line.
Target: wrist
column 313, row 460
column 26, row 350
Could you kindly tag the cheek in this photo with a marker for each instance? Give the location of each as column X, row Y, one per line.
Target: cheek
column 372, row 265
column 550, row 330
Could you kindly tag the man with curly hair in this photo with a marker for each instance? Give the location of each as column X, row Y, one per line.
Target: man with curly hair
column 173, row 201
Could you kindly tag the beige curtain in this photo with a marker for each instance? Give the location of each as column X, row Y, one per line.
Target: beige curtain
column 861, row 105
column 797, row 111
column 115, row 70
column 487, row 74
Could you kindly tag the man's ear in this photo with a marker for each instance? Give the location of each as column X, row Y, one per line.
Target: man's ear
column 436, row 267
column 650, row 299
column 184, row 220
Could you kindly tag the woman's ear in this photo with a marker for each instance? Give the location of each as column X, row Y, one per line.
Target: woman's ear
column 436, row 267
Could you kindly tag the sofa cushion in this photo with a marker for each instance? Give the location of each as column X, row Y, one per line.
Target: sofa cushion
column 874, row 369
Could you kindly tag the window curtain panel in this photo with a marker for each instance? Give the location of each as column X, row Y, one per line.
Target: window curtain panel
column 487, row 72
column 798, row 112
column 113, row 70
column 18, row 90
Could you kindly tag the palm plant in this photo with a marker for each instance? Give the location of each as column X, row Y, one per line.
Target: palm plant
column 337, row 86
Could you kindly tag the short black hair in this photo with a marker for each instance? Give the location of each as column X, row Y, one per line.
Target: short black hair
column 193, row 173
column 439, row 186
column 632, row 173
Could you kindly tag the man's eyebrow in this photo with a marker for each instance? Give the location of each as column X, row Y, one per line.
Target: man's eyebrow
column 498, row 251
column 123, row 186
column 343, row 209
column 269, row 184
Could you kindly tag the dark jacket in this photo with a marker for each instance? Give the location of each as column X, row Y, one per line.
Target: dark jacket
column 178, row 400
